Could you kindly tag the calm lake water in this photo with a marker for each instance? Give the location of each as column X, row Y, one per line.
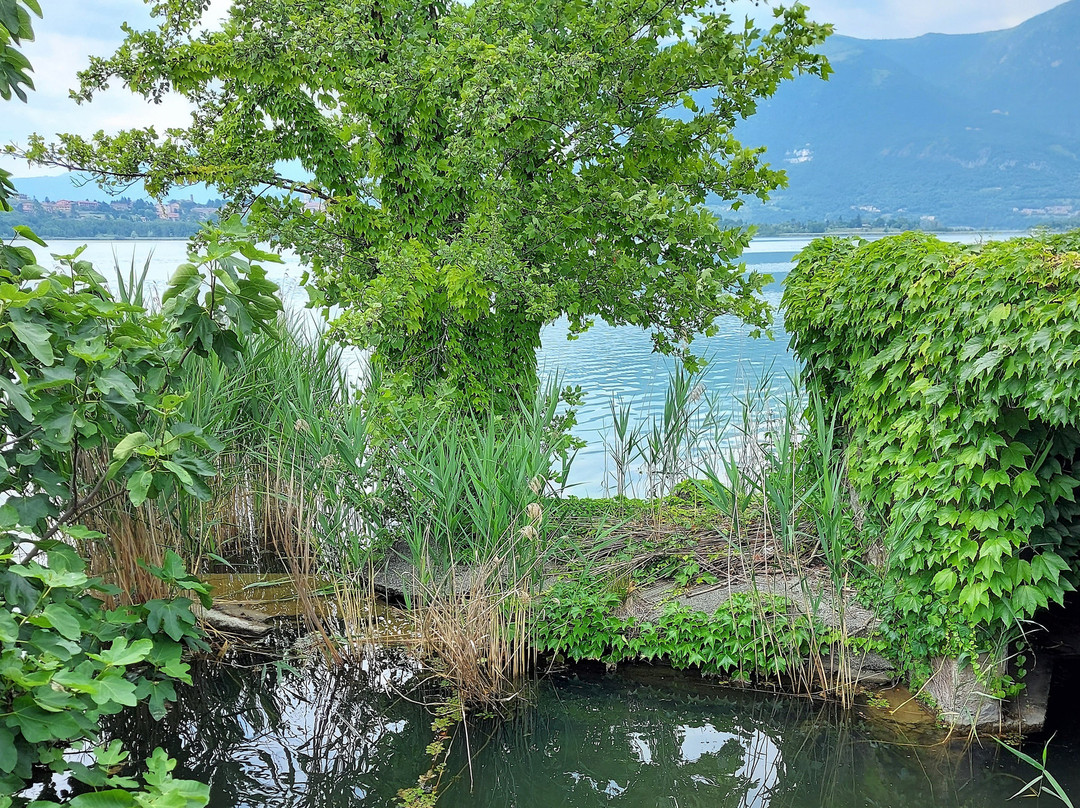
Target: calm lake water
column 610, row 364
column 645, row 738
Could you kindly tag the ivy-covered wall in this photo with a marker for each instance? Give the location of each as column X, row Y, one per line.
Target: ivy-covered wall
column 955, row 371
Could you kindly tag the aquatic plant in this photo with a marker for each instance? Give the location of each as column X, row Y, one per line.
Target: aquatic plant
column 466, row 482
column 1044, row 782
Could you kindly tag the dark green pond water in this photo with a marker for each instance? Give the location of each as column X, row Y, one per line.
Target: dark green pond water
column 354, row 737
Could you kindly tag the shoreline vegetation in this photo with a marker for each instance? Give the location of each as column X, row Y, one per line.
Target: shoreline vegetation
column 145, row 225
column 820, row 542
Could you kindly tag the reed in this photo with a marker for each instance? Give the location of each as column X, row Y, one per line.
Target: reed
column 472, row 628
column 292, row 480
column 469, row 482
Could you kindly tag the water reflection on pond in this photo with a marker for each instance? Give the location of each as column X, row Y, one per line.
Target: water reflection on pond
column 270, row 737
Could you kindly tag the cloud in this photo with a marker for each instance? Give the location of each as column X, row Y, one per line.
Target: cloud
column 65, row 39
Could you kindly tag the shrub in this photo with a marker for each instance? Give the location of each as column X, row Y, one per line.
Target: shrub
column 956, row 373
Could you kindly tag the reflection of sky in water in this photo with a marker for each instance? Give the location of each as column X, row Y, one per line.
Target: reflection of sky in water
column 315, row 738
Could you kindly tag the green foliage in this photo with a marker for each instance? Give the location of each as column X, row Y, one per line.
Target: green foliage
column 15, row 69
column 66, row 660
column 90, row 396
column 483, row 167
column 749, row 635
column 464, row 485
column 86, row 377
column 953, row 370
column 306, row 452
column 90, row 375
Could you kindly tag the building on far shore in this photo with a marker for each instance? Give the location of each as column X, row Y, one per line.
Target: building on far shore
column 168, row 210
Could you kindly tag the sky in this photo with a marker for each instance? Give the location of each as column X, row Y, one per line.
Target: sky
column 72, row 30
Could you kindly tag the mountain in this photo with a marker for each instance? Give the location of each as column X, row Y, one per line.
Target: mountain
column 976, row 129
column 981, row 130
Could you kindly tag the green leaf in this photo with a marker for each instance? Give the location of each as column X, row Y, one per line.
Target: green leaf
column 9, row 629
column 116, row 381
column 121, row 654
column 64, row 620
column 29, row 234
column 138, row 486
column 112, row 798
column 17, row 398
column 945, row 580
column 112, row 688
column 9, row 756
column 125, row 448
column 36, row 338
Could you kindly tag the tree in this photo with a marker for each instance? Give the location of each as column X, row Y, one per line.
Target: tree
column 15, row 28
column 482, row 168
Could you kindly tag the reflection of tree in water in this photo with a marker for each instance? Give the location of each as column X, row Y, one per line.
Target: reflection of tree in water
column 346, row 737
column 270, row 737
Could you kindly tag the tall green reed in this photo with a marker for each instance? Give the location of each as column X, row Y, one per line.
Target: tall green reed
column 470, row 481
column 666, row 447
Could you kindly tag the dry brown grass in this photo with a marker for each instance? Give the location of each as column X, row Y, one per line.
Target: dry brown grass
column 471, row 627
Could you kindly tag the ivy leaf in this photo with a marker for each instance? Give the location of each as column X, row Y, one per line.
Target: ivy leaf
column 945, row 580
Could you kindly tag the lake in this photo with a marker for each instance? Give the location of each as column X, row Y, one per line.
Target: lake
column 610, row 364
column 647, row 737
column 272, row 734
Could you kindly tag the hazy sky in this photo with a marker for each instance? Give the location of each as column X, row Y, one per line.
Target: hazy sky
column 74, row 29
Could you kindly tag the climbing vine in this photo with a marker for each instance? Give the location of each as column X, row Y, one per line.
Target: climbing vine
column 956, row 372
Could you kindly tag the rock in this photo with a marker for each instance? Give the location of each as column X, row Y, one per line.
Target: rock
column 1026, row 712
column 864, row 669
column 246, row 625
column 961, row 698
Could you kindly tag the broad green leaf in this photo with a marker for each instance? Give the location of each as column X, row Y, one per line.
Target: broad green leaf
column 29, row 234
column 64, row 620
column 111, row 798
column 138, row 486
column 36, row 338
column 125, row 448
column 121, row 654
column 9, row 629
column 9, row 756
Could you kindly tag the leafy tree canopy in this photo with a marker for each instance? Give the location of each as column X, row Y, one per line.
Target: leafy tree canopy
column 482, row 168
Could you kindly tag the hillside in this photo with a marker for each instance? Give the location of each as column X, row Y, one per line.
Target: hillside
column 977, row 129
